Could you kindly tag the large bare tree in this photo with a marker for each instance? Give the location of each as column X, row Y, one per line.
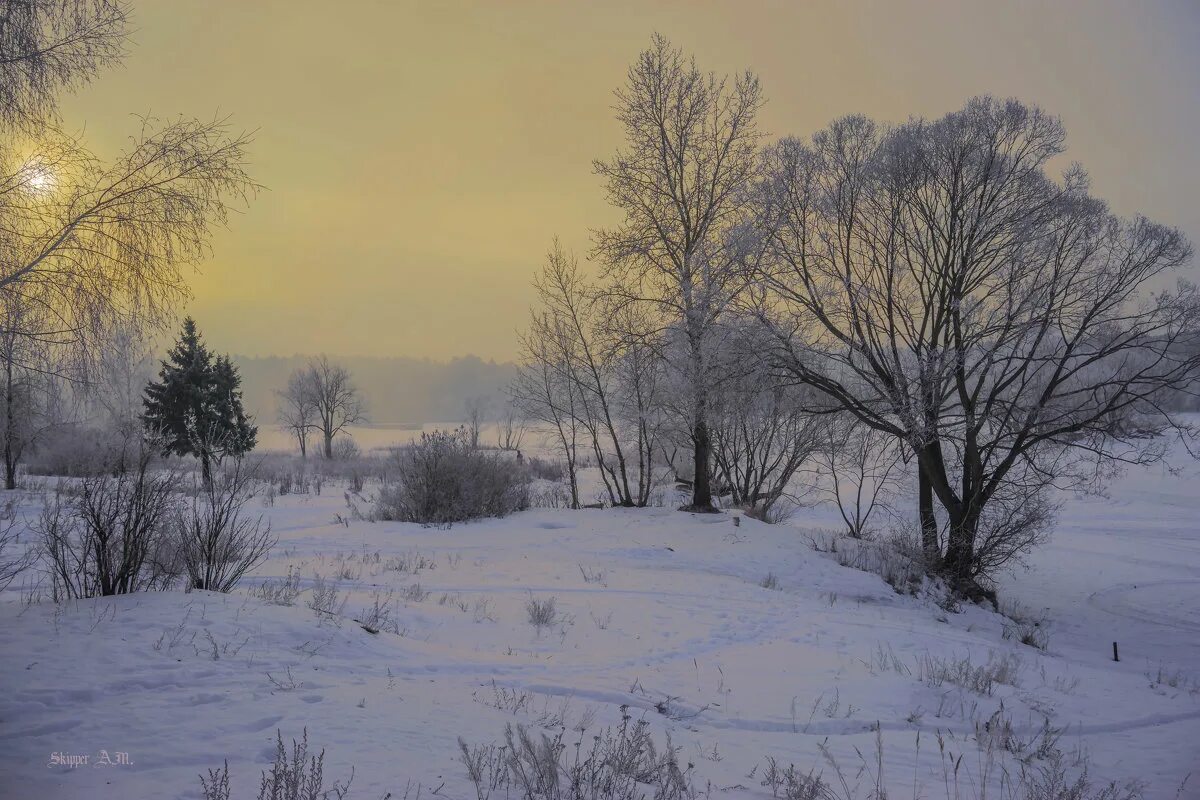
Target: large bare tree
column 934, row 281
column 679, row 180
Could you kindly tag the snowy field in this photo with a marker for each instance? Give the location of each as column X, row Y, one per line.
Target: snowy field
column 656, row 612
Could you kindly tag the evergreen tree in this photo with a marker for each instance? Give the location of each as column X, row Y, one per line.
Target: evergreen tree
column 196, row 405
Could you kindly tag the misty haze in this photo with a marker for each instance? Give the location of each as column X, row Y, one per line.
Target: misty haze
column 612, row 401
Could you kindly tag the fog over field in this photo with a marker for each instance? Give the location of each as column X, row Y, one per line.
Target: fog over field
column 397, row 390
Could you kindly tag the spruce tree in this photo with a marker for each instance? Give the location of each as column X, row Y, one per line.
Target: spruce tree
column 196, row 404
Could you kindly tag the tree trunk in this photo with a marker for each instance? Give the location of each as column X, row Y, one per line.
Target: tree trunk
column 328, row 443
column 571, row 475
column 928, row 520
column 10, row 461
column 701, row 483
column 959, row 564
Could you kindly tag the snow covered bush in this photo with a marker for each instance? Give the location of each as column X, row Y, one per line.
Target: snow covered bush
column 345, row 449
column 218, row 542
column 442, row 479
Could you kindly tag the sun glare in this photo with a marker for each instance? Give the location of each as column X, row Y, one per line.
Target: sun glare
column 39, row 180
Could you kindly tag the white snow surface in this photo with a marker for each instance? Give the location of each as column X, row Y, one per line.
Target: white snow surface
column 674, row 620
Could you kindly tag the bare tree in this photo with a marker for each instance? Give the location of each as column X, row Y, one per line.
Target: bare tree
column 690, row 151
column 335, row 399
column 476, row 410
column 860, row 466
column 297, row 411
column 762, row 431
column 633, row 349
column 48, row 47
column 29, row 390
column 123, row 368
column 578, row 323
column 934, row 282
column 592, row 369
column 544, row 392
column 510, row 428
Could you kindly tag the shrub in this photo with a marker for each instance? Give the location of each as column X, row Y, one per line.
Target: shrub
column 74, row 451
column 622, row 763
column 113, row 536
column 791, row 784
column 294, row 776
column 893, row 559
column 542, row 613
column 325, row 598
column 218, row 543
column 442, row 479
column 279, row 593
column 546, row 470
column 544, row 494
column 935, row 671
column 345, row 449
column 1031, row 634
column 13, row 558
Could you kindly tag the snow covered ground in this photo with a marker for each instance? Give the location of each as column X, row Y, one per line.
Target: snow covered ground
column 654, row 610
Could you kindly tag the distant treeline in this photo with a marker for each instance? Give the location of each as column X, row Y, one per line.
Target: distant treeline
column 410, row 390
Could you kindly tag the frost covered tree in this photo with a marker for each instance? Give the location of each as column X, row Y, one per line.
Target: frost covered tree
column 328, row 390
column 510, row 428
column 936, row 282
column 297, row 410
column 31, row 390
column 49, row 47
column 91, row 244
column 543, row 392
column 632, row 348
column 475, row 410
column 195, row 407
column 569, row 377
column 689, row 153
column 763, row 428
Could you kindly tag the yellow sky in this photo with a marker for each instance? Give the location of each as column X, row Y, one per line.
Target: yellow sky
column 419, row 157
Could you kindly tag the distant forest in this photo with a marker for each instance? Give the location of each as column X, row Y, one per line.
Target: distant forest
column 397, row 390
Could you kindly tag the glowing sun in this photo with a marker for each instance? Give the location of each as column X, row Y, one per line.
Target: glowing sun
column 39, row 180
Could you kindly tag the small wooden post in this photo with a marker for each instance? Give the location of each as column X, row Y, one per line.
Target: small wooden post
column 1115, row 656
